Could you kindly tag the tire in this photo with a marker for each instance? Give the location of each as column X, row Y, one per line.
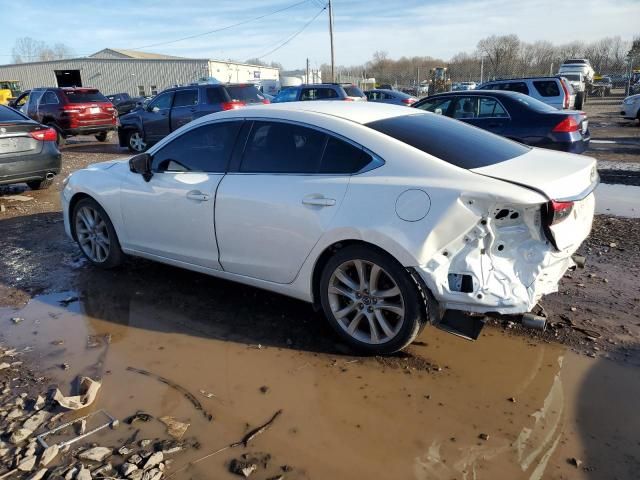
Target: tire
column 95, row 234
column 102, row 136
column 579, row 101
column 359, row 317
column 135, row 142
column 40, row 184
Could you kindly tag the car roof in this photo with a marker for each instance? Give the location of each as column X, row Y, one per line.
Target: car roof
column 358, row 112
column 544, row 77
column 466, row 93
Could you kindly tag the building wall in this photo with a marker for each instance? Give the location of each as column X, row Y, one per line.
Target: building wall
column 229, row 72
column 111, row 75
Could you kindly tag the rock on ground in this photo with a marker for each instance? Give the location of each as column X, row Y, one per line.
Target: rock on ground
column 20, row 435
column 96, row 454
column 49, row 454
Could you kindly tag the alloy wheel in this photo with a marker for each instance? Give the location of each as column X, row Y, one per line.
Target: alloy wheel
column 92, row 234
column 136, row 142
column 366, row 301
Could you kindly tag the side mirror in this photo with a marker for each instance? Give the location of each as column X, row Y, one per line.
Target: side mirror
column 141, row 164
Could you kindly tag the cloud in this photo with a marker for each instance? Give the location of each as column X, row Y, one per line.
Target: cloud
column 438, row 28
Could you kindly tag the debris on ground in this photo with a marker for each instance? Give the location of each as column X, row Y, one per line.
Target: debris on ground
column 88, row 391
column 576, row 462
column 138, row 417
column 175, row 428
column 66, row 301
column 257, row 431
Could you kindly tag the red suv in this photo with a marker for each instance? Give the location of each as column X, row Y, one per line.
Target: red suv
column 71, row 111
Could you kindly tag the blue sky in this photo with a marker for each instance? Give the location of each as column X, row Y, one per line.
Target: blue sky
column 439, row 28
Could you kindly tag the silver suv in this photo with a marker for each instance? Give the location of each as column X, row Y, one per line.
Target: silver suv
column 554, row 91
column 320, row 91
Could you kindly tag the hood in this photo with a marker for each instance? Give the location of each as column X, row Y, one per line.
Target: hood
column 108, row 164
column 558, row 175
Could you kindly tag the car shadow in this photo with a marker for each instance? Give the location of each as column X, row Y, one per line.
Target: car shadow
column 39, row 258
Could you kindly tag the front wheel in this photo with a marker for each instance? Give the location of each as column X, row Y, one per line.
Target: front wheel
column 371, row 301
column 135, row 142
column 95, row 234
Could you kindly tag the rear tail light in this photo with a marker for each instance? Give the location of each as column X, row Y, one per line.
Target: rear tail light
column 348, row 99
column 558, row 211
column 566, row 94
column 71, row 109
column 409, row 101
column 569, row 124
column 232, row 105
column 266, row 101
column 48, row 135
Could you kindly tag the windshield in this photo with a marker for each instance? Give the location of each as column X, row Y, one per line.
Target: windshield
column 245, row 93
column 534, row 104
column 85, row 96
column 450, row 140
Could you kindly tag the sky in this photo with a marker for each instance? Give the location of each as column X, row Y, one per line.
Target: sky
column 437, row 28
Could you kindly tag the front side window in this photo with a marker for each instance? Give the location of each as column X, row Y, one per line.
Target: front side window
column 274, row 147
column 185, row 98
column 162, row 102
column 547, row 88
column 437, row 105
column 203, row 149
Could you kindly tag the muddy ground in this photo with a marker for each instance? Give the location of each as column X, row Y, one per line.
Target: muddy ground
column 514, row 404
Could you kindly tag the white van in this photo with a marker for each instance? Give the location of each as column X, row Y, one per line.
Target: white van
column 554, row 91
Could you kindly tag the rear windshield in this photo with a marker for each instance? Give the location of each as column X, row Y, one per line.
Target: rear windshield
column 85, row 96
column 535, row 104
column 572, row 76
column 450, row 140
column 9, row 115
column 245, row 93
column 568, row 62
column 352, row 91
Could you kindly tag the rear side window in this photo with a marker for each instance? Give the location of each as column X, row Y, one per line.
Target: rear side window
column 519, row 87
column 454, row 142
column 547, row 88
column 353, row 91
column 491, row 108
column 49, row 98
column 318, row 94
column 215, row 95
column 84, row 96
column 9, row 115
column 342, row 157
column 185, row 98
column 203, row 149
column 245, row 93
column 274, row 147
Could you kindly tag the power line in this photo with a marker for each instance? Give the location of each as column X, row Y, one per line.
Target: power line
column 295, row 34
column 197, row 35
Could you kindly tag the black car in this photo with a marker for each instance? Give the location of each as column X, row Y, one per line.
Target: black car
column 124, row 102
column 516, row 116
column 177, row 106
column 28, row 150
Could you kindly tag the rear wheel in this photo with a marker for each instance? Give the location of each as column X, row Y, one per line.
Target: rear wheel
column 102, row 136
column 95, row 234
column 370, row 300
column 40, row 184
column 135, row 142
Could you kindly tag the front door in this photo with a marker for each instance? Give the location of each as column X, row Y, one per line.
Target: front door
column 271, row 213
column 156, row 118
column 172, row 215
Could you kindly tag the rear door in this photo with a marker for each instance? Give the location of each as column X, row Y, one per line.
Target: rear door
column 185, row 107
column 156, row 119
column 290, row 184
column 172, row 215
column 483, row 112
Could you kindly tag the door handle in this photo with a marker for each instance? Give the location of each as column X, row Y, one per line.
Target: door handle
column 198, row 196
column 318, row 200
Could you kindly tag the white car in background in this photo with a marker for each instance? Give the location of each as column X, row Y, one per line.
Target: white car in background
column 382, row 216
column 578, row 65
column 630, row 108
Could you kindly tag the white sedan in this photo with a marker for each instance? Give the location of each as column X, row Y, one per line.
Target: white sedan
column 385, row 217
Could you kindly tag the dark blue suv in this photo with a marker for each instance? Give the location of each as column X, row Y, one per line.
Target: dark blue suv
column 177, row 106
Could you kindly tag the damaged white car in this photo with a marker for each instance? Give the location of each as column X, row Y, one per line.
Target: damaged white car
column 385, row 217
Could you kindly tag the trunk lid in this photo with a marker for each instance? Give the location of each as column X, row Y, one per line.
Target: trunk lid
column 558, row 175
column 15, row 138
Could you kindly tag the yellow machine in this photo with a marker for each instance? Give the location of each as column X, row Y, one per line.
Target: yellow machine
column 439, row 79
column 9, row 89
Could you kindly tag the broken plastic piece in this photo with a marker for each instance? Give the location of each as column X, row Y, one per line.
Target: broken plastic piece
column 88, row 391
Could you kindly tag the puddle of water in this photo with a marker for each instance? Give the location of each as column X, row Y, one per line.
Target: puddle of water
column 620, row 200
column 344, row 417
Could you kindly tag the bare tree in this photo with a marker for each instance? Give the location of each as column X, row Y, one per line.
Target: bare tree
column 502, row 53
column 27, row 49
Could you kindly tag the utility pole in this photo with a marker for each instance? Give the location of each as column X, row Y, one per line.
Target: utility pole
column 307, row 71
column 481, row 68
column 333, row 60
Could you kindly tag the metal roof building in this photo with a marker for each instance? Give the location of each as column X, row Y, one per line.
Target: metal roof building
column 137, row 73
